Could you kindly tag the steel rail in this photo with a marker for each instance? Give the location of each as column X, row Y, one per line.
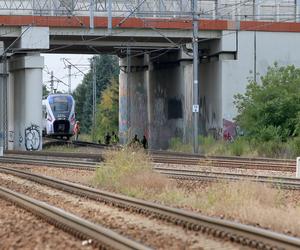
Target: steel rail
column 187, row 174
column 244, row 234
column 226, row 163
column 48, row 162
column 285, row 182
column 93, row 157
column 231, row 162
column 79, row 227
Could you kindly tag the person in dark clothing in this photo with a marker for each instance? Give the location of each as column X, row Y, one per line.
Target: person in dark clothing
column 144, row 142
column 114, row 138
column 135, row 141
column 107, row 138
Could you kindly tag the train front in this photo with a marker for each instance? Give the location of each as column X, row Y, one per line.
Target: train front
column 62, row 114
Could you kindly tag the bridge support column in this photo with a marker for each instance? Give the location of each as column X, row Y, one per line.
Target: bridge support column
column 156, row 99
column 26, row 73
column 166, row 100
column 132, row 99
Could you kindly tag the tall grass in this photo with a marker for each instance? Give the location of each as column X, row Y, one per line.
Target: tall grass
column 242, row 146
column 130, row 173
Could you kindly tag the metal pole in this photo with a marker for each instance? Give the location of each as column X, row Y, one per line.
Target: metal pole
column 2, row 111
column 5, row 94
column 69, row 78
column 109, row 16
column 51, row 83
column 94, row 99
column 92, row 15
column 195, row 76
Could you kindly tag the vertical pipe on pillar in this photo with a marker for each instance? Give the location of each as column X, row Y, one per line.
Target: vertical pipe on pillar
column 1, row 114
column 10, row 111
column 128, row 93
column 195, row 76
column 5, row 125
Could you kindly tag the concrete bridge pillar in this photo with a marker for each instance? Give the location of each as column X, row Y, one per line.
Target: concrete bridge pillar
column 26, row 74
column 132, row 98
column 156, row 98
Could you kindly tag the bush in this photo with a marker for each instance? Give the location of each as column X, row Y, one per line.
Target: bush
column 177, row 145
column 130, row 172
column 273, row 148
column 237, row 148
column 293, row 148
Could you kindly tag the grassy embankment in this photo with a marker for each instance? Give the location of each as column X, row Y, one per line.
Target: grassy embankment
column 130, row 173
column 241, row 147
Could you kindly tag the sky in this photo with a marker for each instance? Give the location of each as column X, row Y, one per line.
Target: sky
column 55, row 63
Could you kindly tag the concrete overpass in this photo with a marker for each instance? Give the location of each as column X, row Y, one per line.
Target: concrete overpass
column 237, row 39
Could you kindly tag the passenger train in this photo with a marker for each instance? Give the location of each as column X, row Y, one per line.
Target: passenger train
column 58, row 115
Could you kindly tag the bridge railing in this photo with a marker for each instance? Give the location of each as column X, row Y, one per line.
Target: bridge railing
column 271, row 10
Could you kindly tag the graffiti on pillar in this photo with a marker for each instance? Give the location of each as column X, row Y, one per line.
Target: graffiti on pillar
column 20, row 139
column 32, row 138
column 139, row 119
column 123, row 113
column 11, row 135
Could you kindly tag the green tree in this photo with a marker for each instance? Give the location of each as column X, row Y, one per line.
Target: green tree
column 45, row 90
column 106, row 69
column 108, row 110
column 271, row 110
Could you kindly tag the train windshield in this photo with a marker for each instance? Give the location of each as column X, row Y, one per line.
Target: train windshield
column 60, row 104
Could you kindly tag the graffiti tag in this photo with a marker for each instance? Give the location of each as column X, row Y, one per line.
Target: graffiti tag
column 32, row 138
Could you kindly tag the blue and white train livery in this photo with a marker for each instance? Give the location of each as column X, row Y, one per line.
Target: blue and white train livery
column 58, row 115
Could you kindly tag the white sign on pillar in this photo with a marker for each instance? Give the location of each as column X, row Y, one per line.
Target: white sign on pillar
column 195, row 108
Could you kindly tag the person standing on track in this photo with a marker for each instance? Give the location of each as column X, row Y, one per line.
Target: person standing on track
column 76, row 130
column 144, row 142
column 107, row 138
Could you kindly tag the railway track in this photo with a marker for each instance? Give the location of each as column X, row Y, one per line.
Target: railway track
column 243, row 234
column 80, row 228
column 183, row 159
column 185, row 174
column 61, row 163
column 182, row 174
column 230, row 162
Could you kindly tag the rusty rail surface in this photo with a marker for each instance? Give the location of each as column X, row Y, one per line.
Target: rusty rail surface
column 80, row 228
column 186, row 174
column 243, row 234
